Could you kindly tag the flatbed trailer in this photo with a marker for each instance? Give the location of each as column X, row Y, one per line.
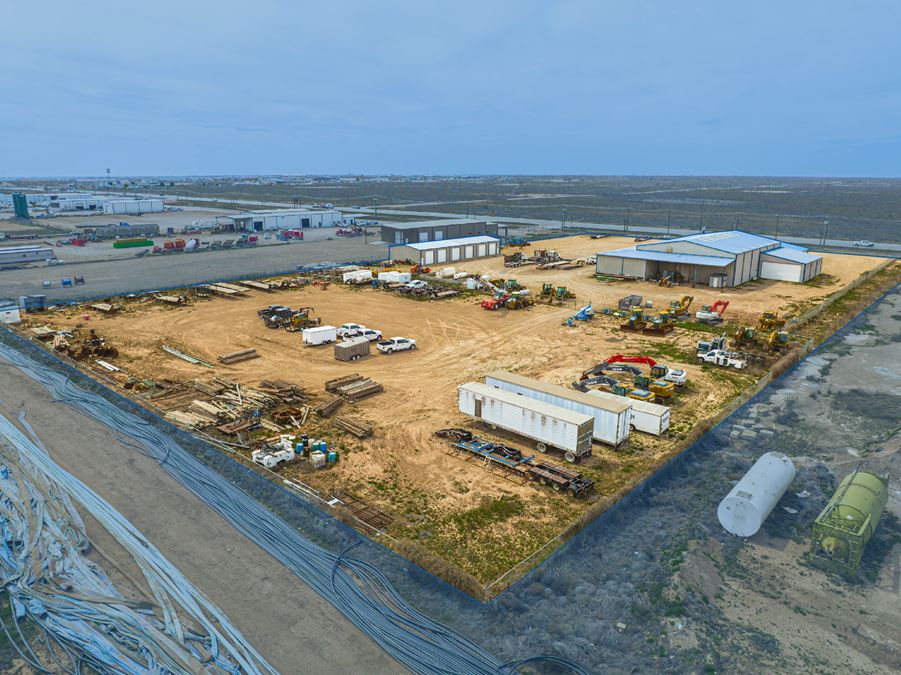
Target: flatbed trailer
column 512, row 463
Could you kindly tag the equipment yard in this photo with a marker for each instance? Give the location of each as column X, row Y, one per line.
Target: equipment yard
column 393, row 476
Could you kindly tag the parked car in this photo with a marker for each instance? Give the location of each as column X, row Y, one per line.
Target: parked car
column 865, row 243
column 350, row 329
column 417, row 283
column 396, row 344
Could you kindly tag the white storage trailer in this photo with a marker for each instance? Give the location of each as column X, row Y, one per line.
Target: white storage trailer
column 549, row 425
column 320, row 335
column 611, row 418
column 647, row 417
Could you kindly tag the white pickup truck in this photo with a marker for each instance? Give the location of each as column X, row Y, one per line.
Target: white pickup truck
column 396, row 344
column 347, row 330
column 720, row 357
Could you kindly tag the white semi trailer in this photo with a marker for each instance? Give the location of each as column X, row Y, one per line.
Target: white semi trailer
column 611, row 417
column 550, row 426
column 647, row 417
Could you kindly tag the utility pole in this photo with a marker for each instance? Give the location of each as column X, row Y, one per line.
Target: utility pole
column 667, row 222
column 701, row 221
column 375, row 203
column 563, row 222
column 825, row 230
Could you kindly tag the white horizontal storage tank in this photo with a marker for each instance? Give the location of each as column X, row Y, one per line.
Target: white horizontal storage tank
column 550, row 425
column 611, row 418
column 753, row 498
column 647, row 417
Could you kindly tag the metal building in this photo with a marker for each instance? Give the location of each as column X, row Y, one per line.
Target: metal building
column 66, row 203
column 287, row 219
column 436, row 230
column 728, row 258
column 447, row 251
column 133, row 207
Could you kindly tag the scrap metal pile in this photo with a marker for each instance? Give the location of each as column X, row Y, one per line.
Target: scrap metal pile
column 82, row 620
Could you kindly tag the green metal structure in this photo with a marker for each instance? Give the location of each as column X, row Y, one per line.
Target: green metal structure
column 846, row 525
column 20, row 206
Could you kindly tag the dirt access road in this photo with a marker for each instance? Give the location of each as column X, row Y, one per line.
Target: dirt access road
column 287, row 622
column 440, row 500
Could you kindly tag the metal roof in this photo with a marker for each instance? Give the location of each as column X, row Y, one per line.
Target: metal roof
column 532, row 404
column 445, row 222
column 730, row 241
column 644, row 406
column 615, row 406
column 662, row 256
column 793, row 255
column 278, row 212
column 444, row 243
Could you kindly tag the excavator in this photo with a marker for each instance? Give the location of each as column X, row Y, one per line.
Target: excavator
column 776, row 341
column 712, row 313
column 743, row 335
column 679, row 308
column 661, row 382
column 419, row 269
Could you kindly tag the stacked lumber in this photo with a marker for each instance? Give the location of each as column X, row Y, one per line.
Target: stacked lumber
column 186, row 418
column 286, row 391
column 359, row 389
column 355, row 427
column 294, row 416
column 237, row 357
column 330, row 406
column 332, row 385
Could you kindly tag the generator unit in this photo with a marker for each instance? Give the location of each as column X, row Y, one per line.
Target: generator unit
column 846, row 525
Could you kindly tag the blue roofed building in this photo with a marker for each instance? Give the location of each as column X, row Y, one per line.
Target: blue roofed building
column 718, row 259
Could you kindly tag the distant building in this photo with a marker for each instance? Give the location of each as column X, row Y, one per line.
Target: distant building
column 436, row 230
column 132, row 207
column 287, row 219
column 428, row 253
column 720, row 259
column 68, row 203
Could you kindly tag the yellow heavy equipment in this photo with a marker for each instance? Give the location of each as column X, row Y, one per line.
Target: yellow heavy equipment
column 776, row 341
column 771, row 320
column 743, row 335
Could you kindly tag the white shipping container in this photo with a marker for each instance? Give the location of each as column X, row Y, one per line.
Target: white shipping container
column 610, row 418
column 550, row 425
column 446, row 273
column 649, row 418
column 320, row 335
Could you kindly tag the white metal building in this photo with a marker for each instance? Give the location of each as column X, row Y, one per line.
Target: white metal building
column 9, row 311
column 728, row 258
column 67, row 203
column 287, row 219
column 133, row 207
column 449, row 250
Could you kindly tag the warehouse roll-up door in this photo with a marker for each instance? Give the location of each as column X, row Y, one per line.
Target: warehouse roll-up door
column 468, row 251
column 423, row 236
column 442, row 255
column 455, row 253
column 781, row 271
column 481, row 250
column 429, row 257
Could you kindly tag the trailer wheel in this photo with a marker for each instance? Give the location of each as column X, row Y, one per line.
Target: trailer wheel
column 543, row 480
column 541, row 447
column 570, row 457
column 556, row 487
column 571, row 492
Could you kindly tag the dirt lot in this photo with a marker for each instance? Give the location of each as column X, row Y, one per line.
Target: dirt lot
column 472, row 519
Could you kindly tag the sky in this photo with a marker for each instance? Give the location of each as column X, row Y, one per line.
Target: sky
column 432, row 87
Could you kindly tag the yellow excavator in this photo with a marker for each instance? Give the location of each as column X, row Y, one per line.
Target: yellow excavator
column 771, row 320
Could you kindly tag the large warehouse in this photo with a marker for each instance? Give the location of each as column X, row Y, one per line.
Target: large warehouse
column 287, row 219
column 429, row 253
column 435, row 230
column 720, row 259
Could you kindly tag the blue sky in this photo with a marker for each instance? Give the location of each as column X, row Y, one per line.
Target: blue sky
column 196, row 87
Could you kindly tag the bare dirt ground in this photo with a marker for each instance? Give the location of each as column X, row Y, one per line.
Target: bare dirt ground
column 456, row 510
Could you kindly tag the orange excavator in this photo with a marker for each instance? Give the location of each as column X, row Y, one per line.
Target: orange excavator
column 419, row 269
column 712, row 313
